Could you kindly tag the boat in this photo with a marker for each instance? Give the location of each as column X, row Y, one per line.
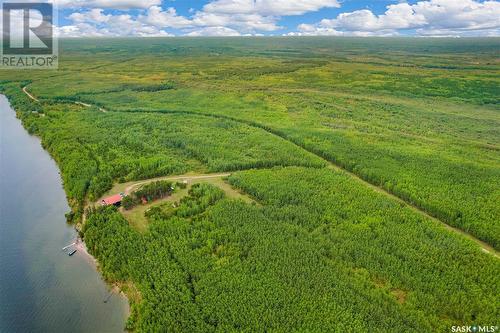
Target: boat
column 72, row 252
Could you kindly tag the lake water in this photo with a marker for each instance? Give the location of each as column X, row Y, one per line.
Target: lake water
column 42, row 289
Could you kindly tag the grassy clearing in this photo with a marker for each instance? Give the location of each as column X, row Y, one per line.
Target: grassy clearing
column 136, row 216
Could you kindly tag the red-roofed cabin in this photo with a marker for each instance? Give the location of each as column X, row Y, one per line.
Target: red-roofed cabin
column 115, row 200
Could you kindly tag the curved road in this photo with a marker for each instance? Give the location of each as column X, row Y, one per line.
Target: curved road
column 129, row 188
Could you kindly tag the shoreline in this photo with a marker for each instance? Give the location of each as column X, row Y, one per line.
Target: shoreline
column 115, row 289
column 79, row 245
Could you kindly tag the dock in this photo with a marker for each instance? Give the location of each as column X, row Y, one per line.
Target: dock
column 67, row 246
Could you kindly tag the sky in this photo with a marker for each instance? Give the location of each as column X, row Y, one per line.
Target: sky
column 90, row 18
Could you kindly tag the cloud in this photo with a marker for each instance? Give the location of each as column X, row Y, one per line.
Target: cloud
column 217, row 18
column 95, row 16
column 400, row 16
column 433, row 17
column 252, row 17
column 242, row 16
column 165, row 19
column 94, row 23
column 268, row 7
column 313, row 30
column 242, row 22
column 213, row 31
column 115, row 4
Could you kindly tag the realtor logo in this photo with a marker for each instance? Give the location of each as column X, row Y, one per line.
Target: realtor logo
column 28, row 35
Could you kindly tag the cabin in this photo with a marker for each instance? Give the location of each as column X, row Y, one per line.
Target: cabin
column 115, row 200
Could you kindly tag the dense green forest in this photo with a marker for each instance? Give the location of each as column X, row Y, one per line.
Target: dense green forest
column 418, row 118
column 322, row 254
column 321, row 133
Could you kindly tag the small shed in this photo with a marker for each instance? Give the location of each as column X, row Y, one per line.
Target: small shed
column 115, row 200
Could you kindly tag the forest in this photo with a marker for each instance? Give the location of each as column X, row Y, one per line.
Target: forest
column 359, row 155
column 322, row 254
column 147, row 193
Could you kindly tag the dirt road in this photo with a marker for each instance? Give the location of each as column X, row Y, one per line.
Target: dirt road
column 131, row 187
column 30, row 95
column 78, row 103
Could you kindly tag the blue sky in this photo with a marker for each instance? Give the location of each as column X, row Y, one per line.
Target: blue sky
column 279, row 17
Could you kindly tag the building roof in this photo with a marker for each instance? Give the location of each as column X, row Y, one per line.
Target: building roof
column 112, row 199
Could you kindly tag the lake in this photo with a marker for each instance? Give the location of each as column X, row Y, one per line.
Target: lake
column 42, row 289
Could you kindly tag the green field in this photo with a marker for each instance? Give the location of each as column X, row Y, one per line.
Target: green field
column 356, row 152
